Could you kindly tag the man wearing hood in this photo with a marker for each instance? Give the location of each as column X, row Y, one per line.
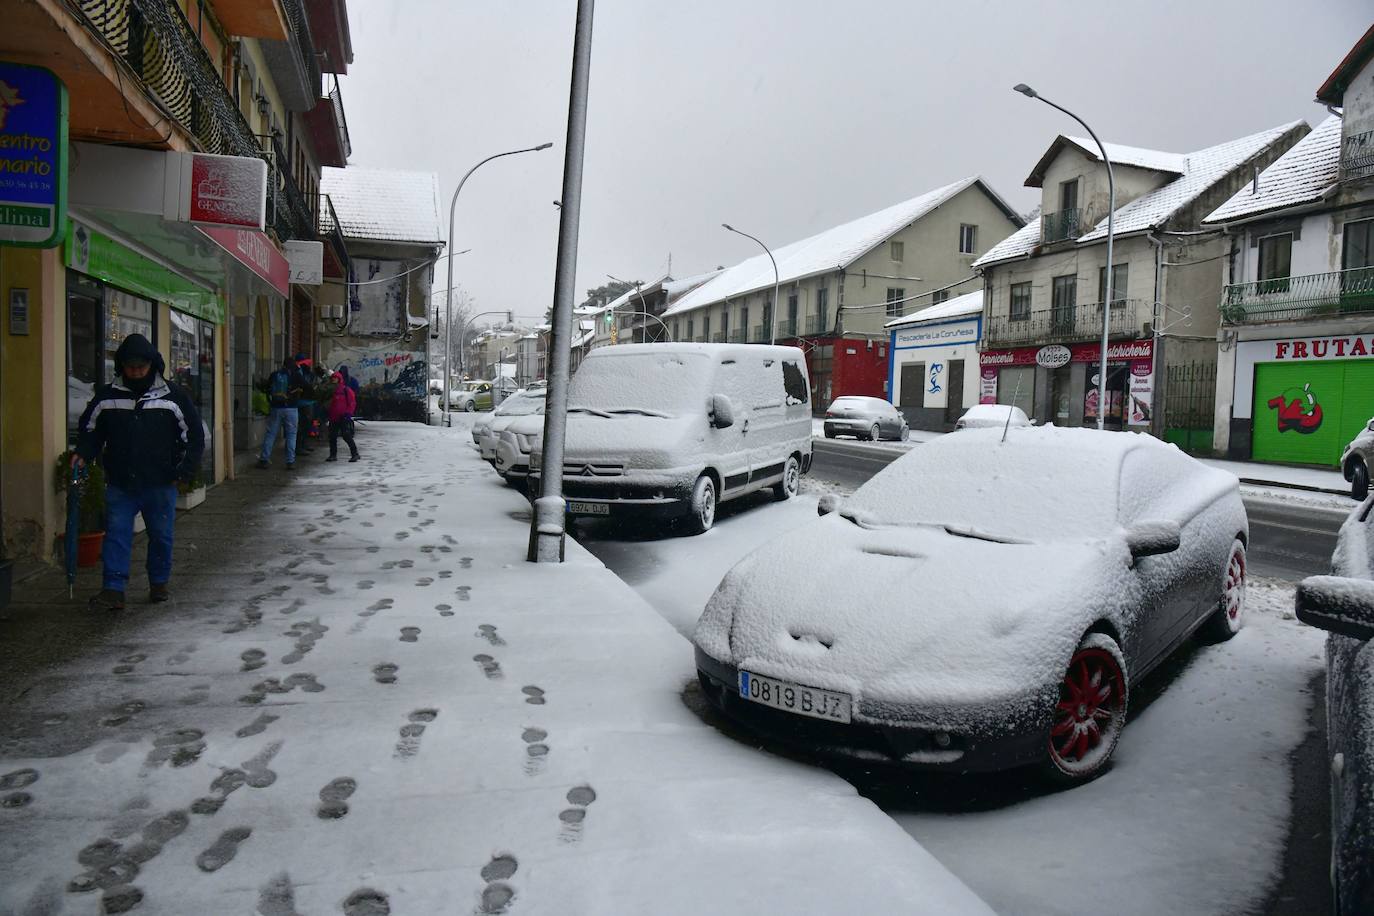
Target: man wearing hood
column 147, row 435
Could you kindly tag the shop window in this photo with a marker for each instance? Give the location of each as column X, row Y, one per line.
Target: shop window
column 85, row 349
column 1275, row 263
column 1020, row 302
column 1016, row 385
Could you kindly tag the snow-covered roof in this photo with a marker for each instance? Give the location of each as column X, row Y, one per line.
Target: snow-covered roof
column 1205, row 168
column 1301, row 175
column 832, row 249
column 384, row 204
column 1137, row 156
column 967, row 304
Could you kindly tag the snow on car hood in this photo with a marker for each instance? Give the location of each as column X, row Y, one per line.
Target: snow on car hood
column 913, row 614
column 635, row 440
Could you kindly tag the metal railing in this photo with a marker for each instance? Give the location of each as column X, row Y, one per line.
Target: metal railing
column 787, row 327
column 738, row 336
column 1339, row 292
column 1357, row 155
column 816, row 324
column 302, row 43
column 332, row 232
column 1079, row 322
column 718, row 337
column 336, row 100
column 288, row 212
column 760, row 334
column 1065, row 224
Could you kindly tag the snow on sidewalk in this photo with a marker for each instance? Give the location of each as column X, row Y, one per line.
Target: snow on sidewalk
column 363, row 700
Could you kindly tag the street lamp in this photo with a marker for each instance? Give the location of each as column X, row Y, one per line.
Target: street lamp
column 1030, row 93
column 773, row 315
column 448, row 287
column 644, row 309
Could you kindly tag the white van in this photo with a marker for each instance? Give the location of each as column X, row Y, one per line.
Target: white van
column 671, row 429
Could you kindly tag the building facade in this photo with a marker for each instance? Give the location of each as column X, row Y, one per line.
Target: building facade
column 1295, row 351
column 1046, row 285
column 192, row 138
column 933, row 368
column 838, row 289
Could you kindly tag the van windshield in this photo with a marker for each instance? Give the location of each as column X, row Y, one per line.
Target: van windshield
column 648, row 383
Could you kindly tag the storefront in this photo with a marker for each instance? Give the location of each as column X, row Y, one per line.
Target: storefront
column 934, row 370
column 1059, row 384
column 1299, row 400
column 114, row 290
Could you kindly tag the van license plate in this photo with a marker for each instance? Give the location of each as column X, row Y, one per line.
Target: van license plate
column 804, row 701
column 590, row 508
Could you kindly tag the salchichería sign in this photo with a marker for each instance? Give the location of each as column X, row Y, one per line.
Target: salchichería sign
column 33, row 156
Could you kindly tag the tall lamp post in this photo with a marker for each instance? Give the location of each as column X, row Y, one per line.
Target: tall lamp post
column 1030, row 93
column 773, row 313
column 448, row 287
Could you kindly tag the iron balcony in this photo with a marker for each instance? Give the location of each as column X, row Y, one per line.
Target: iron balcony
column 1357, row 156
column 1077, row 322
column 1057, row 227
column 1340, row 292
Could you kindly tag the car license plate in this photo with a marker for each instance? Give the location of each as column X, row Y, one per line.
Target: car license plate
column 804, row 701
column 590, row 508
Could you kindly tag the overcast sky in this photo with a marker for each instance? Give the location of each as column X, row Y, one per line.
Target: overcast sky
column 787, row 117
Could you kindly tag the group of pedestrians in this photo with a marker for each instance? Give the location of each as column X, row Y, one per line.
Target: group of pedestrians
column 294, row 396
column 147, row 435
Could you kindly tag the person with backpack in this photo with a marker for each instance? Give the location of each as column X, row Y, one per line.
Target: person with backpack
column 284, row 388
column 341, row 406
column 148, row 436
column 305, row 404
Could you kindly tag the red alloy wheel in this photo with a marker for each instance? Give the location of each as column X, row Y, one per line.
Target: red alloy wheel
column 1091, row 710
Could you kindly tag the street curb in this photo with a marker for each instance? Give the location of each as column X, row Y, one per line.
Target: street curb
column 1254, row 482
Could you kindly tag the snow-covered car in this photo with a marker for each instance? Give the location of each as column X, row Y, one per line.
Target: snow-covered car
column 1027, row 585
column 981, row 416
column 514, row 446
column 669, row 430
column 864, row 418
column 470, row 396
column 1356, row 461
column 1343, row 604
column 486, row 430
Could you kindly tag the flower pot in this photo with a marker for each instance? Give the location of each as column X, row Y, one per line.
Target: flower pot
column 191, row 498
column 88, row 548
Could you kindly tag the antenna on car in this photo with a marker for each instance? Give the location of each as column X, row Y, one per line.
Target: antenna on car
column 1014, row 395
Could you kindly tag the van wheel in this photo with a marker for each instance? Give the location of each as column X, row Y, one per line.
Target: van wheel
column 703, row 514
column 791, row 479
column 1359, row 481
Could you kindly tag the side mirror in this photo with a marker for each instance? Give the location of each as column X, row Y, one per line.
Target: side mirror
column 1337, row 605
column 1148, row 539
column 722, row 412
column 828, row 503
column 1370, row 427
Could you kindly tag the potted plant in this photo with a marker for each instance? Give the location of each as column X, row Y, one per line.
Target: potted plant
column 191, row 493
column 92, row 507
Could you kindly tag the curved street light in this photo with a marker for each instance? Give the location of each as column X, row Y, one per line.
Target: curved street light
column 448, row 287
column 773, row 312
column 1030, row 93
column 644, row 308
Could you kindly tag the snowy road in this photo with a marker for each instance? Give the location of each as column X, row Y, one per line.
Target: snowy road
column 1195, row 813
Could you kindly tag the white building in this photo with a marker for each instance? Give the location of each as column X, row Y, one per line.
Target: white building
column 933, row 360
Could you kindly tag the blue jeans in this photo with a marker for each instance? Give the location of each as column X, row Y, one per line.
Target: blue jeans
column 159, row 508
column 281, row 417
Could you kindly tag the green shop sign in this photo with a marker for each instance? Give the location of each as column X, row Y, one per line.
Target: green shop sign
column 33, row 156
column 97, row 255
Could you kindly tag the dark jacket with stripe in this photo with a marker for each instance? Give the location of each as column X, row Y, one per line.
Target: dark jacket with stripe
column 153, row 440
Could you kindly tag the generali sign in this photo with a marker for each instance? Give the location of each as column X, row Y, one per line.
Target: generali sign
column 255, row 251
column 198, row 188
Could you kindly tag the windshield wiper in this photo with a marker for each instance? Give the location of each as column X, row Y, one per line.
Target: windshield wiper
column 643, row 412
column 595, row 413
column 978, row 535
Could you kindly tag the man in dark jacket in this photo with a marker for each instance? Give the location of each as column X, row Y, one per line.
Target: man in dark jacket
column 147, row 435
column 284, row 390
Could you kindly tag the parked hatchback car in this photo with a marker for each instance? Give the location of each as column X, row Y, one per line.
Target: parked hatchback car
column 1028, row 585
column 485, row 431
column 1356, row 461
column 980, row 416
column 1343, row 604
column 470, row 396
column 670, row 430
column 864, row 418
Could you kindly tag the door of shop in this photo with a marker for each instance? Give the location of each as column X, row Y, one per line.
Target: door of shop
column 1306, row 412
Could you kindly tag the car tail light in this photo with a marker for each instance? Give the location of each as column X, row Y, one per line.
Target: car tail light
column 829, row 415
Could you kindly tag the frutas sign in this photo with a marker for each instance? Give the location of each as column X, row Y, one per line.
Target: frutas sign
column 1354, row 346
column 33, row 156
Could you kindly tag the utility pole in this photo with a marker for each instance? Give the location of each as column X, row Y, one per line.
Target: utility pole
column 548, row 527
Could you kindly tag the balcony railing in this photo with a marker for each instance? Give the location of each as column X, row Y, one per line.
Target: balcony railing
column 288, row 212
column 1357, row 155
column 815, row 324
column 787, row 328
column 760, row 334
column 718, row 337
column 1056, row 227
column 331, row 230
column 738, row 336
column 1081, row 322
column 1340, row 292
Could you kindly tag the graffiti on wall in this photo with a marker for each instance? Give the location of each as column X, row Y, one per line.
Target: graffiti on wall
column 391, row 383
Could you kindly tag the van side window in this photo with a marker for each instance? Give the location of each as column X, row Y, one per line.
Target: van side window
column 794, row 383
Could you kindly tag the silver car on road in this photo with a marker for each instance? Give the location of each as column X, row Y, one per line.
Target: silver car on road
column 864, row 418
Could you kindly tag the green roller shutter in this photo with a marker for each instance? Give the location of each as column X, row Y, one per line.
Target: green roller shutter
column 1317, row 407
